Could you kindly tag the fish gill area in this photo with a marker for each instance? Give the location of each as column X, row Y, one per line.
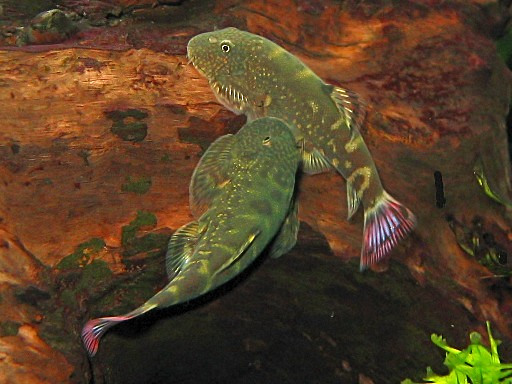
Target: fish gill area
column 103, row 122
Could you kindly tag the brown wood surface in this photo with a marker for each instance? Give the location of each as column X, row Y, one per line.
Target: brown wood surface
column 438, row 96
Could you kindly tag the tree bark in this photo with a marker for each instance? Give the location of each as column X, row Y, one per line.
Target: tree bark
column 104, row 121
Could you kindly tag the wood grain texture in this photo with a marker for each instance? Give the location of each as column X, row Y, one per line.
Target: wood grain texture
column 111, row 121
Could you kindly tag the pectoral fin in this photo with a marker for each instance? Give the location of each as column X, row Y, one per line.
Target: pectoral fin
column 211, row 174
column 353, row 200
column 241, row 251
column 261, row 102
column 350, row 104
column 313, row 161
column 180, row 248
column 287, row 235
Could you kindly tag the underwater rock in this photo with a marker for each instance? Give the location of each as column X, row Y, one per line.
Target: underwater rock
column 274, row 326
column 49, row 27
column 35, row 362
column 73, row 179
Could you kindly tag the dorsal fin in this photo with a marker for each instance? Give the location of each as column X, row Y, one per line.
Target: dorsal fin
column 180, row 248
column 210, row 174
column 350, row 104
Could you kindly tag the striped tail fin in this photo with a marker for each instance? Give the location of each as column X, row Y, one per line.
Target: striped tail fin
column 94, row 329
column 385, row 225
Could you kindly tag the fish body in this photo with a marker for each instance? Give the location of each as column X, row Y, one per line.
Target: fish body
column 488, row 187
column 242, row 194
column 254, row 76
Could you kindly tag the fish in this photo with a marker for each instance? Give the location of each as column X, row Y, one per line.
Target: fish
column 242, row 197
column 490, row 190
column 252, row 75
column 480, row 244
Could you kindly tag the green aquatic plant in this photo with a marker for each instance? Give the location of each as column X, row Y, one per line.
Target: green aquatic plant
column 474, row 365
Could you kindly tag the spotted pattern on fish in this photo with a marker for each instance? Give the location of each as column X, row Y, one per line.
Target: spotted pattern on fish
column 354, row 144
column 360, row 177
column 323, row 116
column 242, row 194
column 338, row 124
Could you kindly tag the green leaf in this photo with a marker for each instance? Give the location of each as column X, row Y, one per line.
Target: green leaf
column 441, row 343
column 476, row 364
column 494, row 344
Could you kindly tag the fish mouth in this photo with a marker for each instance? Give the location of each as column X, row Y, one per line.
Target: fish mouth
column 229, row 96
column 190, row 56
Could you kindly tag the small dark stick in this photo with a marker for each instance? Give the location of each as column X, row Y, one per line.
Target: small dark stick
column 440, row 199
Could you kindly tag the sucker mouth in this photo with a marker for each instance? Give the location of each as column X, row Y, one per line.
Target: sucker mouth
column 190, row 58
column 227, row 95
column 230, row 95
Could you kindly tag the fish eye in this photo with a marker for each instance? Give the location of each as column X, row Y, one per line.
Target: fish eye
column 225, row 47
column 266, row 141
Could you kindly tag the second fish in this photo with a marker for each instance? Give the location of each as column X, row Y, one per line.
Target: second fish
column 242, row 192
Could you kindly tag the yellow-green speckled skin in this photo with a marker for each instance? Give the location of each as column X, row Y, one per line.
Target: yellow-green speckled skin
column 253, row 203
column 257, row 77
column 242, row 194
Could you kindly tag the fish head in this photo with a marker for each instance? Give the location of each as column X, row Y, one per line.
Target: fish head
column 224, row 57
column 268, row 139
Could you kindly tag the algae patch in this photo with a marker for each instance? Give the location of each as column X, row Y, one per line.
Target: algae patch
column 82, row 254
column 166, row 158
column 31, row 295
column 143, row 256
column 68, row 298
column 81, row 274
column 9, row 328
column 134, row 244
column 96, row 271
column 143, row 219
column 138, row 186
column 127, row 124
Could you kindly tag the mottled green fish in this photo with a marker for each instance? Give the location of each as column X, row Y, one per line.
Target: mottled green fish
column 485, row 183
column 242, row 192
column 254, row 76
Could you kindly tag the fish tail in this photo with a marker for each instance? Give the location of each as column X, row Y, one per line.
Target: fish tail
column 94, row 329
column 385, row 224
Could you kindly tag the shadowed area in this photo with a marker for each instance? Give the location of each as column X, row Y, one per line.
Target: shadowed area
column 304, row 317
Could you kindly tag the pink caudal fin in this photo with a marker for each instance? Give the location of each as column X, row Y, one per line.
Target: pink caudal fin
column 94, row 329
column 385, row 225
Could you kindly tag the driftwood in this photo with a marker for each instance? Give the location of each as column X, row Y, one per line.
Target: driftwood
column 103, row 122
